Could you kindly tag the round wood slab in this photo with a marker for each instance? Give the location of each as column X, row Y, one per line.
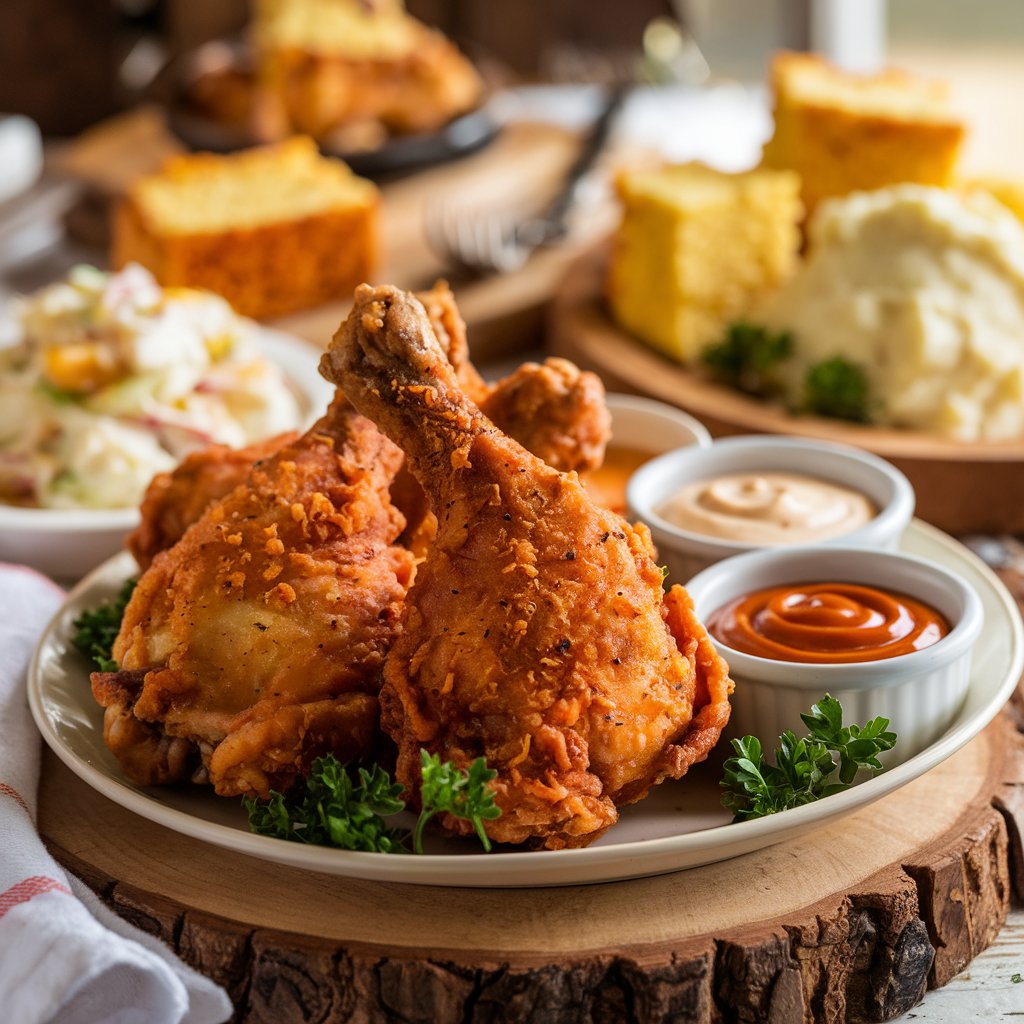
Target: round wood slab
column 961, row 488
column 849, row 923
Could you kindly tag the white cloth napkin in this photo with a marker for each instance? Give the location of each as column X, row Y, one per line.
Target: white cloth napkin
column 64, row 957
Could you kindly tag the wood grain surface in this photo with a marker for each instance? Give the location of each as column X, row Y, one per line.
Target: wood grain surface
column 849, row 923
column 961, row 488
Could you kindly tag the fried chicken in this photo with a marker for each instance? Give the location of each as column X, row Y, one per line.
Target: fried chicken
column 255, row 644
column 175, row 500
column 537, row 633
column 555, row 409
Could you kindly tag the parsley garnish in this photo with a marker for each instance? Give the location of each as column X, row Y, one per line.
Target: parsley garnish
column 330, row 809
column 837, row 388
column 746, row 357
column 97, row 629
column 804, row 769
column 451, row 790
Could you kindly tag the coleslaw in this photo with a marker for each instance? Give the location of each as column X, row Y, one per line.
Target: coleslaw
column 113, row 379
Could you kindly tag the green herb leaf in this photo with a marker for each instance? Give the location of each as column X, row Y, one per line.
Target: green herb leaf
column 746, row 357
column 456, row 791
column 805, row 768
column 96, row 630
column 1016, row 979
column 57, row 395
column 837, row 388
column 330, row 809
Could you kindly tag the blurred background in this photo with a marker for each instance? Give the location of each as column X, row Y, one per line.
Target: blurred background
column 69, row 63
column 90, row 78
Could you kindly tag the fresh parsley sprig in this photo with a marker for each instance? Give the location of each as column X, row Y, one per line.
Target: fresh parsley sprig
column 805, row 769
column 837, row 388
column 451, row 790
column 747, row 356
column 96, row 629
column 329, row 808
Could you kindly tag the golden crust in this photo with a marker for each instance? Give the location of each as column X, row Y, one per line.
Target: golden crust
column 264, row 268
column 843, row 133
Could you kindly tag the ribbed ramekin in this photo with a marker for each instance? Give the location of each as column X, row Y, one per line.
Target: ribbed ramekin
column 920, row 693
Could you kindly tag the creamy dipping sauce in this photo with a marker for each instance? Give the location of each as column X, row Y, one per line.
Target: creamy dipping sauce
column 767, row 508
column 826, row 623
column 607, row 484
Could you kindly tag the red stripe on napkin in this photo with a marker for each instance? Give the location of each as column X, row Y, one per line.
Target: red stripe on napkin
column 25, row 890
column 10, row 791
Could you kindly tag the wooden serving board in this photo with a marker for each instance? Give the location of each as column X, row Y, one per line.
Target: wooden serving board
column 961, row 488
column 848, row 923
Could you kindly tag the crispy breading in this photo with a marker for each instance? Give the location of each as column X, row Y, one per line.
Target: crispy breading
column 555, row 409
column 537, row 633
column 262, row 632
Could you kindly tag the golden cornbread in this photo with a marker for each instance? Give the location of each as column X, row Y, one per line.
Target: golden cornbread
column 273, row 229
column 696, row 248
column 844, row 133
column 330, row 66
column 347, row 28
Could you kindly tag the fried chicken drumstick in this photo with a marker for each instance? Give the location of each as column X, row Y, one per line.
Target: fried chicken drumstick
column 537, row 633
column 255, row 644
column 553, row 408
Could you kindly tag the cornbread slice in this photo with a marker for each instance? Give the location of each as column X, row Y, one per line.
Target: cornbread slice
column 844, row 133
column 273, row 229
column 330, row 65
column 349, row 28
column 696, row 248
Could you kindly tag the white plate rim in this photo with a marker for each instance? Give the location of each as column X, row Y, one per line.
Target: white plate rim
column 562, row 867
column 296, row 358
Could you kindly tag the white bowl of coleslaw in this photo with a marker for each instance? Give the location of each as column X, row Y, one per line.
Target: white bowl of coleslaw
column 113, row 380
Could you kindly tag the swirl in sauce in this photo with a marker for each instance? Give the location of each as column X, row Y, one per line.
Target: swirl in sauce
column 767, row 508
column 826, row 622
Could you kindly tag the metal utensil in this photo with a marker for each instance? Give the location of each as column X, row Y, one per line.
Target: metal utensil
column 486, row 240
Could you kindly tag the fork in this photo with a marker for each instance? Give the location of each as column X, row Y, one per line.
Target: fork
column 485, row 240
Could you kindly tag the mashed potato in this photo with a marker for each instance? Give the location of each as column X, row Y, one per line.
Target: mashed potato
column 924, row 290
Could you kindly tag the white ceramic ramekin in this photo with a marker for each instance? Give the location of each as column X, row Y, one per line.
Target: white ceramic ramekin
column 653, row 426
column 920, row 693
column 686, row 553
column 642, row 429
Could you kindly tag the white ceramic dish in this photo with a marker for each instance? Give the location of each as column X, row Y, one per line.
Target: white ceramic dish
column 686, row 553
column 653, row 426
column 67, row 543
column 680, row 825
column 642, row 429
column 922, row 691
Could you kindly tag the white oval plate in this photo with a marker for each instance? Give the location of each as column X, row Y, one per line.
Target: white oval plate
column 680, row 825
column 66, row 543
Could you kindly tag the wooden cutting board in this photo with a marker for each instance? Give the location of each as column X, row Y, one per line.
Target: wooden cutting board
column 961, row 488
column 851, row 922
